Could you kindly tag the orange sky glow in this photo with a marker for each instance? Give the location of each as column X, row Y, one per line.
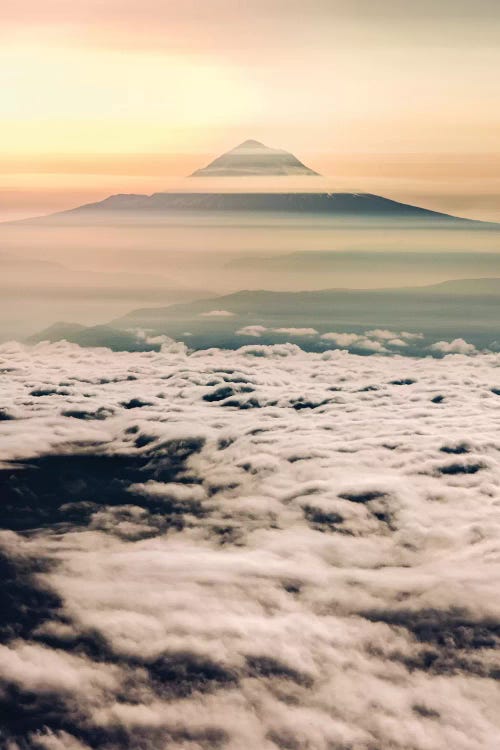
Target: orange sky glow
column 116, row 96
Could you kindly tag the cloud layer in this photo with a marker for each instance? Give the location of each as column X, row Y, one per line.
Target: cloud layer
column 262, row 548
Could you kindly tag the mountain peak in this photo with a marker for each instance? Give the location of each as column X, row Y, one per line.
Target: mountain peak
column 253, row 158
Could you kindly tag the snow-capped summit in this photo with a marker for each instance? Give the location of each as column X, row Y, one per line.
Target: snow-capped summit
column 252, row 158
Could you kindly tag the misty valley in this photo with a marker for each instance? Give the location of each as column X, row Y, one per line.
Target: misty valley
column 438, row 281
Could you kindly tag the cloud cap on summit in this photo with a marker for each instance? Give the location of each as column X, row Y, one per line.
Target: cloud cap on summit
column 252, row 158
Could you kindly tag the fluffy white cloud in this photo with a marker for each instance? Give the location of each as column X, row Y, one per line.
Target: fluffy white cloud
column 256, row 331
column 260, row 548
column 370, row 346
column 385, row 335
column 457, row 346
column 342, row 339
column 379, row 333
column 355, row 341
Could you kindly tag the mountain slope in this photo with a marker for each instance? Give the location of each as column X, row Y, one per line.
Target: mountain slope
column 335, row 205
column 100, row 335
column 252, row 158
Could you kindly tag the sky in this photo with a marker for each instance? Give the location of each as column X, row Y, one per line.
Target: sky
column 120, row 96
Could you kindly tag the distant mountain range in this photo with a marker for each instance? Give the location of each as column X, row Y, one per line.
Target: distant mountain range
column 254, row 159
column 465, row 307
column 251, row 158
column 324, row 302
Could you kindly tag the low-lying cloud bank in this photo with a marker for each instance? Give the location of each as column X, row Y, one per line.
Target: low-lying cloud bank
column 376, row 341
column 259, row 548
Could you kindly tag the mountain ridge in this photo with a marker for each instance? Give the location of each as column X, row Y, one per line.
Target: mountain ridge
column 452, row 286
column 455, row 309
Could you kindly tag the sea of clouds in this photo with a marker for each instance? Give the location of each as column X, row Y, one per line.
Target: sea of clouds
column 260, row 548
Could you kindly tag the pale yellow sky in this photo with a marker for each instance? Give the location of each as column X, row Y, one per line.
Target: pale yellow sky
column 115, row 95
